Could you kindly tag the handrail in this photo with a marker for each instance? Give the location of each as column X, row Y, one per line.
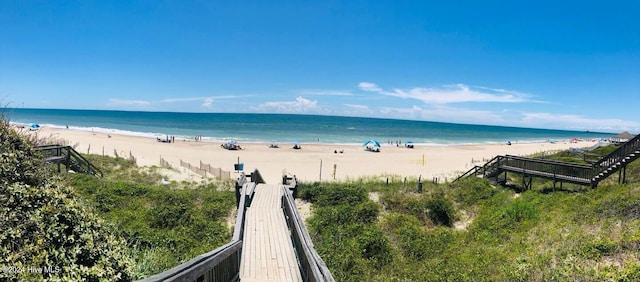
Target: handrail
column 616, row 156
column 547, row 168
column 633, row 143
column 473, row 171
column 77, row 157
column 577, row 173
column 312, row 267
column 550, row 162
column 197, row 267
column 86, row 162
column 223, row 263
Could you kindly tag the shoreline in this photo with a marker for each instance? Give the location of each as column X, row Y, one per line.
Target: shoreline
column 322, row 161
column 208, row 139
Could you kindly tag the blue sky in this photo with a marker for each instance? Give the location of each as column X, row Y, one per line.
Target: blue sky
column 544, row 64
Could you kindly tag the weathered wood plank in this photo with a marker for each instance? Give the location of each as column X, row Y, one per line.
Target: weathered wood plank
column 268, row 253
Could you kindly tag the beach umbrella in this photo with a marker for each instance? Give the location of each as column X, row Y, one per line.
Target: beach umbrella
column 232, row 142
column 409, row 142
column 34, row 126
column 372, row 142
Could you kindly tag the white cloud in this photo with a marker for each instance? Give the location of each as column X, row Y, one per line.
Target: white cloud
column 358, row 110
column 369, row 86
column 204, row 99
column 577, row 122
column 455, row 94
column 300, row 105
column 324, row 92
column 124, row 102
column 445, row 114
column 359, row 107
column 208, row 102
column 178, row 100
column 450, row 94
column 508, row 118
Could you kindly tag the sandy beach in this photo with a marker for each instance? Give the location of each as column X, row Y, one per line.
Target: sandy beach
column 311, row 163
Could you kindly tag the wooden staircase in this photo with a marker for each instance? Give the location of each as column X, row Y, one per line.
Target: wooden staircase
column 618, row 159
column 70, row 158
column 561, row 171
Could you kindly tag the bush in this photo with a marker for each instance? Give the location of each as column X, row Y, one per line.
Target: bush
column 175, row 225
column 332, row 195
column 406, row 203
column 471, row 190
column 441, row 211
column 309, row 192
column 366, row 212
column 46, row 228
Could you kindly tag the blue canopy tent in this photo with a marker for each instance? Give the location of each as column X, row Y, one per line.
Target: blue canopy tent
column 34, row 126
column 372, row 145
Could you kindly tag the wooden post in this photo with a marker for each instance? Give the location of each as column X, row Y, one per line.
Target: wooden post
column 320, row 169
column 335, row 166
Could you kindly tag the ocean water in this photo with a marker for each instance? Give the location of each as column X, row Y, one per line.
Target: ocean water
column 285, row 128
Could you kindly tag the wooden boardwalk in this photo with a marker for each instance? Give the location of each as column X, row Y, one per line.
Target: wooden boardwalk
column 267, row 253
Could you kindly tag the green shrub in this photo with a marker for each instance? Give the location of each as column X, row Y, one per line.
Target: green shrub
column 406, row 203
column 44, row 226
column 372, row 243
column 332, row 195
column 441, row 211
column 471, row 190
column 309, row 192
column 366, row 212
column 47, row 228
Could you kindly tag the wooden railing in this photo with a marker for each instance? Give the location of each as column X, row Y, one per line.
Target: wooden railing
column 312, row 267
column 618, row 156
column 223, row 263
column 563, row 171
column 486, row 170
column 70, row 158
column 569, row 172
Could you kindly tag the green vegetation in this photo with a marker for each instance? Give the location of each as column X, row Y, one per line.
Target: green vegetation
column 77, row 227
column 45, row 233
column 128, row 225
column 473, row 231
column 163, row 225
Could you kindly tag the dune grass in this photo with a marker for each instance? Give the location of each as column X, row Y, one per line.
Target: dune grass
column 164, row 225
column 473, row 231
